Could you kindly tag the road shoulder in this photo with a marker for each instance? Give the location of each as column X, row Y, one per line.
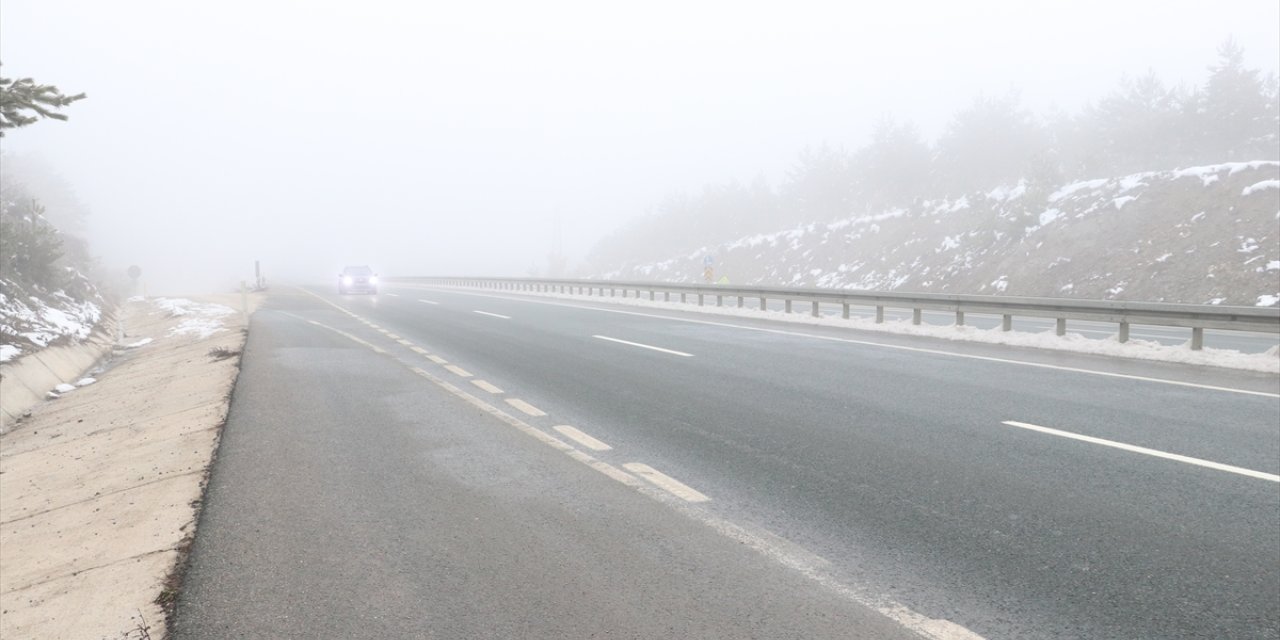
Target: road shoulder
column 101, row 487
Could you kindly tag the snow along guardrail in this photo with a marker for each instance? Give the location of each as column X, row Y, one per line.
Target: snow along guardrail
column 1193, row 316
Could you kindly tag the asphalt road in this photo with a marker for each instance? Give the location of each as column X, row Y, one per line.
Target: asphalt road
column 901, row 473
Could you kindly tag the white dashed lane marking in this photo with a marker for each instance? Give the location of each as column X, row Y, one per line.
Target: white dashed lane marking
column 526, row 407
column 645, row 346
column 459, row 371
column 486, row 386
column 427, row 301
column 665, row 482
column 492, row 315
column 581, row 438
column 1145, row 451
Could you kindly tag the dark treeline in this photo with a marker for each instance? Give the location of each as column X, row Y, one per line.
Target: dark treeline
column 1143, row 125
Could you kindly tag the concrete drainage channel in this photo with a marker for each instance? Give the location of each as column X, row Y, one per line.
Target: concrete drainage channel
column 103, row 485
column 27, row 382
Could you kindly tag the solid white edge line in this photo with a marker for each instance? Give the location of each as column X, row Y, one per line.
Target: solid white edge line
column 645, row 346
column 494, row 315
column 1040, row 365
column 1145, row 451
column 525, row 407
column 666, row 482
column 581, row 437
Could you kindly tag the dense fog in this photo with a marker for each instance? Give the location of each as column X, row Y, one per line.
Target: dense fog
column 482, row 138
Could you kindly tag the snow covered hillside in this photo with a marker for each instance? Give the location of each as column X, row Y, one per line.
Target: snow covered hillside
column 1207, row 234
column 32, row 318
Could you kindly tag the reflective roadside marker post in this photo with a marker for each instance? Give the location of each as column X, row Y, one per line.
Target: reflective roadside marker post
column 244, row 303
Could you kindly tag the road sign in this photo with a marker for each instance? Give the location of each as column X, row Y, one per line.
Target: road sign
column 135, row 271
column 708, row 260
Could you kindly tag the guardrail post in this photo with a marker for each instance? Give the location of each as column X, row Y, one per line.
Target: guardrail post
column 959, row 318
column 1124, row 332
column 1006, row 322
column 613, row 292
column 666, row 296
column 915, row 316
column 788, row 306
column 739, row 302
column 763, row 304
column 719, row 300
column 682, row 300
column 879, row 314
column 844, row 310
column 699, row 299
column 624, row 293
column 815, row 308
column 1197, row 338
column 1061, row 328
column 650, row 295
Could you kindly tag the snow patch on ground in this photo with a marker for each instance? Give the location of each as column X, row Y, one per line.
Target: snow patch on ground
column 43, row 321
column 202, row 320
column 8, row 352
column 1260, row 186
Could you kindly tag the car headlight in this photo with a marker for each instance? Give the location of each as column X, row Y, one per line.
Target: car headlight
column 373, row 279
column 348, row 280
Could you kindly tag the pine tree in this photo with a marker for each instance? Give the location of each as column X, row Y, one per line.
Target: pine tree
column 1236, row 118
column 992, row 142
column 23, row 102
column 1142, row 126
column 894, row 168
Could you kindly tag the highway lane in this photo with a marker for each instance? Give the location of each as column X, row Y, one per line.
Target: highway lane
column 355, row 496
column 897, row 465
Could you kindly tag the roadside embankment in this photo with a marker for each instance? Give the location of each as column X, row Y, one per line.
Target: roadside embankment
column 100, row 488
column 25, row 382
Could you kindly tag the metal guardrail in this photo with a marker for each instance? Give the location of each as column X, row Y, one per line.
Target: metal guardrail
column 1193, row 316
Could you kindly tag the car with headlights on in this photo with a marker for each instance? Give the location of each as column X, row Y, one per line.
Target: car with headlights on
column 357, row 279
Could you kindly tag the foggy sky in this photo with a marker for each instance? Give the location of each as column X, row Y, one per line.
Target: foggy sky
column 445, row 138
